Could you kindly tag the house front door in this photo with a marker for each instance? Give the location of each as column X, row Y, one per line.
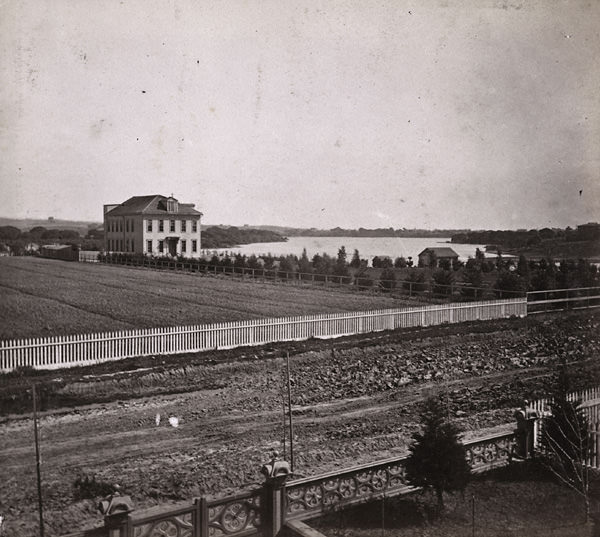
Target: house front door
column 172, row 247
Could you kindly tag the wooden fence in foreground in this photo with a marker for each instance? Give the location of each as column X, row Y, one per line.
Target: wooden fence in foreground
column 85, row 349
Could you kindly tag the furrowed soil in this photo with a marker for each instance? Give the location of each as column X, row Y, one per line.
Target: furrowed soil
column 44, row 297
column 355, row 400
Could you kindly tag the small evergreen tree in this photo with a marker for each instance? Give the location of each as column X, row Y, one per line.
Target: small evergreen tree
column 304, row 265
column 400, row 262
column 437, row 459
column 473, row 282
column 442, row 282
column 387, row 280
column 355, row 261
column 509, row 285
column 414, row 281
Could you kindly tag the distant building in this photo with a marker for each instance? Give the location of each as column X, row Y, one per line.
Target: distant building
column 64, row 252
column 153, row 225
column 588, row 232
column 431, row 257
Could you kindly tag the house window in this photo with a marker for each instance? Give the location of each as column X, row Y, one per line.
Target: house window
column 161, row 225
column 183, row 225
column 120, row 245
column 127, row 226
column 149, row 226
column 161, row 246
column 127, row 245
column 149, row 246
column 194, row 226
column 172, row 226
column 194, row 245
column 132, row 222
column 183, row 246
column 133, row 244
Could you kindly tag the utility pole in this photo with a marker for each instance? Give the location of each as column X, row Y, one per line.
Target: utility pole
column 37, row 460
column 383, row 515
column 473, row 515
column 289, row 390
column 283, row 422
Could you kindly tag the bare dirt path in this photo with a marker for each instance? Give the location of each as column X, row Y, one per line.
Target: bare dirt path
column 354, row 402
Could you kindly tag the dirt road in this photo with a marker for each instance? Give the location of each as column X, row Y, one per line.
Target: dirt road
column 355, row 400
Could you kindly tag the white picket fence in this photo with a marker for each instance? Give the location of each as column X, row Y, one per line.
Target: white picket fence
column 590, row 406
column 84, row 349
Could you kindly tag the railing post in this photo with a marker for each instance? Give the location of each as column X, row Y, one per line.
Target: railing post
column 118, row 525
column 201, row 522
column 525, row 432
column 276, row 473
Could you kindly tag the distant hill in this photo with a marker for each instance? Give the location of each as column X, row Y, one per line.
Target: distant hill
column 361, row 232
column 230, row 236
column 583, row 242
column 25, row 224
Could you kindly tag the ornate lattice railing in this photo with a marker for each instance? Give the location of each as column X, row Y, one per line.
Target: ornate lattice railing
column 263, row 511
column 307, row 498
column 236, row 515
column 158, row 522
column 487, row 453
column 312, row 496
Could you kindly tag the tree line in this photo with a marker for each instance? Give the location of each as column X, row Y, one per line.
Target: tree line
column 476, row 279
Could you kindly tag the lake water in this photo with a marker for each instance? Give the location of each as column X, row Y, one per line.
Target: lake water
column 367, row 247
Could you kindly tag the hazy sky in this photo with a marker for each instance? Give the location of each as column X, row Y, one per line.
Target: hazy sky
column 424, row 113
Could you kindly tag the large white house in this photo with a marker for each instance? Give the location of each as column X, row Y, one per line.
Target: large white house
column 154, row 225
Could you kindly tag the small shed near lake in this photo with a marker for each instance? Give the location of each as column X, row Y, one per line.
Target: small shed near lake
column 431, row 257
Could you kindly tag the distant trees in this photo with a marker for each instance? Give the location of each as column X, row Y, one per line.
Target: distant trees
column 400, row 262
column 387, row 280
column 226, row 237
column 437, row 459
column 442, row 282
column 9, row 233
column 473, row 282
column 414, row 281
column 509, row 285
column 340, row 268
column 355, row 262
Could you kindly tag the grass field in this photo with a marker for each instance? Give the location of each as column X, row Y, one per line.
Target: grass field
column 43, row 297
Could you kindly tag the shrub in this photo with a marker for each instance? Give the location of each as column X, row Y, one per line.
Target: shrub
column 387, row 280
column 86, row 487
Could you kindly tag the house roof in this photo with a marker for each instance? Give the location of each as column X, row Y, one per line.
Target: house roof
column 154, row 205
column 440, row 252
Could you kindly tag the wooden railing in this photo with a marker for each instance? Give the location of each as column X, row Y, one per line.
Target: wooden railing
column 563, row 299
column 85, row 349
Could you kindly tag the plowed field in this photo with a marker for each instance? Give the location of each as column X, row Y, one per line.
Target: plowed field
column 43, row 297
column 354, row 400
